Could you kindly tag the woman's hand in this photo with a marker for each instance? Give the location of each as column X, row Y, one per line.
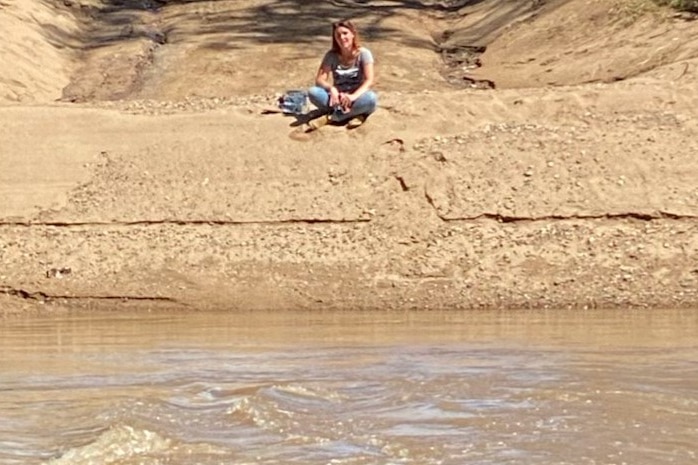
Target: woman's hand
column 346, row 101
column 335, row 97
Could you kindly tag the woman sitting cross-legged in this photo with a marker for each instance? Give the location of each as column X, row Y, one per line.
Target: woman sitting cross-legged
column 342, row 90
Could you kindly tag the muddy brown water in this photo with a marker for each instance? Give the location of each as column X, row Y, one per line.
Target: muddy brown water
column 611, row 387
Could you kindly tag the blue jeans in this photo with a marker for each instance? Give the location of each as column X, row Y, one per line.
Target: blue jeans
column 364, row 105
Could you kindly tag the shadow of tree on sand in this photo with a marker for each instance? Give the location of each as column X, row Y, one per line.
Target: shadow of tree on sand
column 223, row 24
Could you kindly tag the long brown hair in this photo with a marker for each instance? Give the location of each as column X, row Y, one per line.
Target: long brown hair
column 349, row 25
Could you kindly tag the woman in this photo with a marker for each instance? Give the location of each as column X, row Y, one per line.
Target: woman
column 343, row 83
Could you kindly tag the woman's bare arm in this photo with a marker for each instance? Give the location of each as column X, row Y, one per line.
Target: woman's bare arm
column 366, row 85
column 322, row 79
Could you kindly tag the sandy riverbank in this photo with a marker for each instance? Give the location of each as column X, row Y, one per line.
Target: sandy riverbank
column 138, row 167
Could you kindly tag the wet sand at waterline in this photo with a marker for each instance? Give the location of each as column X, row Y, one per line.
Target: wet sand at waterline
column 139, row 168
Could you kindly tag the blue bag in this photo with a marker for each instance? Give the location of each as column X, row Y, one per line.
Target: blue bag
column 293, row 102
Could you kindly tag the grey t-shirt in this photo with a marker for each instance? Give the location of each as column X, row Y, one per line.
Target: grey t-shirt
column 347, row 78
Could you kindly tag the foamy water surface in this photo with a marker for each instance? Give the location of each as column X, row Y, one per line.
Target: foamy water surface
column 614, row 387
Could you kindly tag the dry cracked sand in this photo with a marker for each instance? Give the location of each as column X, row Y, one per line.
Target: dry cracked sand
column 526, row 154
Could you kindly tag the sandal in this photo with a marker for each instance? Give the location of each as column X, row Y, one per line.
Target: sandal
column 317, row 123
column 356, row 122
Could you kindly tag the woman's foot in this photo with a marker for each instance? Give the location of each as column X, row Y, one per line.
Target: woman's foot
column 356, row 122
column 316, row 123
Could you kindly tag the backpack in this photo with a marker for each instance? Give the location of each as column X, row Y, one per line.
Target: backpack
column 293, row 102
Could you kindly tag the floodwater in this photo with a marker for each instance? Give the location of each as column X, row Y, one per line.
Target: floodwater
column 422, row 388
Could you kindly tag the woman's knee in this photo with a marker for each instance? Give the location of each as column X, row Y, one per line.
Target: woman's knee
column 319, row 97
column 368, row 101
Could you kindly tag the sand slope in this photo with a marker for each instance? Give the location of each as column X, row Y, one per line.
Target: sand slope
column 36, row 65
column 158, row 179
